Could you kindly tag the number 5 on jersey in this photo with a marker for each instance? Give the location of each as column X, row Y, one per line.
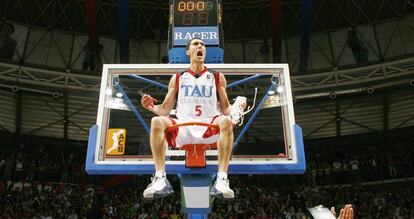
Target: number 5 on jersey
column 198, row 110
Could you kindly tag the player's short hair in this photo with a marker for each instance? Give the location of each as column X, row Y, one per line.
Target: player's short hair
column 187, row 46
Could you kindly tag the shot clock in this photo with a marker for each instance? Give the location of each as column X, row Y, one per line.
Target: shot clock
column 195, row 18
column 195, row 13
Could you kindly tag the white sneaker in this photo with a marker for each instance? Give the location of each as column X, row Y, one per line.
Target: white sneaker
column 221, row 189
column 158, row 188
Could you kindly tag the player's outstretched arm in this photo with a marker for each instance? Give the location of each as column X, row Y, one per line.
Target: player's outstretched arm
column 166, row 106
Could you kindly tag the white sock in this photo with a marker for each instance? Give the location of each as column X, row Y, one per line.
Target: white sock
column 160, row 173
column 221, row 175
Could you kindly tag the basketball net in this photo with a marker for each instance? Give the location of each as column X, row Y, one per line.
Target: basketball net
column 236, row 110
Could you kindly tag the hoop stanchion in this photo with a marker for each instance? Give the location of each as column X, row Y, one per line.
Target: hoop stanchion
column 195, row 192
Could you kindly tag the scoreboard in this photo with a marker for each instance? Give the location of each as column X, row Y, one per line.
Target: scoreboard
column 195, row 13
column 195, row 18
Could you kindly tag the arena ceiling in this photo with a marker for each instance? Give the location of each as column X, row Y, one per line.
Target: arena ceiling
column 242, row 19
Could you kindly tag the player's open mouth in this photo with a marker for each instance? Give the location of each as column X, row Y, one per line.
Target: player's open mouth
column 199, row 54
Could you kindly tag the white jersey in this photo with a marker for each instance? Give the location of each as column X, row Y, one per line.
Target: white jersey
column 197, row 97
column 196, row 102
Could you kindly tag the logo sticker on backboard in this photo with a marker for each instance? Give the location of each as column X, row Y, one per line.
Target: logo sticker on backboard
column 115, row 142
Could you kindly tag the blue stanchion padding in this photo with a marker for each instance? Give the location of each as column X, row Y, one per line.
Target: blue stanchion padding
column 300, row 150
column 90, row 152
column 289, row 168
column 213, row 55
column 196, row 180
column 197, row 216
column 201, row 182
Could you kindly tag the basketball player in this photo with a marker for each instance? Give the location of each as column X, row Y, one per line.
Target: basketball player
column 201, row 97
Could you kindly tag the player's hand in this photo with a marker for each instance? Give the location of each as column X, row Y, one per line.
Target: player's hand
column 148, row 102
column 346, row 213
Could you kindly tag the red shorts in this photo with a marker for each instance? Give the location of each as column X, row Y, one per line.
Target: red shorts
column 184, row 135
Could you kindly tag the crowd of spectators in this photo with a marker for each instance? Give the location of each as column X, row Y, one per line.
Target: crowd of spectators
column 41, row 181
column 335, row 162
column 42, row 163
column 256, row 198
column 359, row 161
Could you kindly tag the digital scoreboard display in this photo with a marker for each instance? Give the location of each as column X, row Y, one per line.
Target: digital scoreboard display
column 190, row 19
column 195, row 13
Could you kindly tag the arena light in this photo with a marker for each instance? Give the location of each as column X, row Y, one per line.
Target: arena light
column 117, row 103
column 279, row 89
column 119, row 94
column 108, row 92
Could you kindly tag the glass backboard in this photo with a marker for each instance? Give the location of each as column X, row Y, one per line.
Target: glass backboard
column 268, row 140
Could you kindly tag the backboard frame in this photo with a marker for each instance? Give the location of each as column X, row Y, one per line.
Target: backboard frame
column 294, row 164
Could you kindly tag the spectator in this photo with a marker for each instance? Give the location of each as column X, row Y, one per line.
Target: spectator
column 7, row 43
column 354, row 164
column 19, row 168
column 9, row 167
column 337, row 166
column 359, row 50
column 88, row 63
column 391, row 166
column 92, row 59
column 2, row 167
